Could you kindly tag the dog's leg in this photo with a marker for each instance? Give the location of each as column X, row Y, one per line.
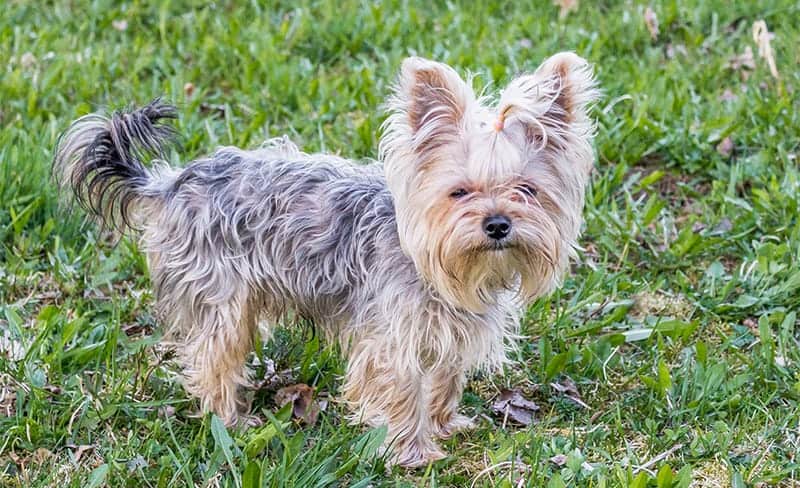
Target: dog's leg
column 447, row 386
column 214, row 359
column 385, row 389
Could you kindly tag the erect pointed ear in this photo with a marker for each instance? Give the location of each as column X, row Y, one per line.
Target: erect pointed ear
column 552, row 103
column 428, row 107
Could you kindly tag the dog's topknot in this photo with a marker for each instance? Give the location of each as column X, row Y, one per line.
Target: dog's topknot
column 101, row 159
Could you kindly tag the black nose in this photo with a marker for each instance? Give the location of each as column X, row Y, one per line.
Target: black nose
column 497, row 226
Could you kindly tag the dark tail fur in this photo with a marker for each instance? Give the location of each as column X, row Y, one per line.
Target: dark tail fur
column 101, row 159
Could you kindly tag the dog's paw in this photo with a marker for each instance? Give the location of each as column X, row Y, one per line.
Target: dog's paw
column 457, row 423
column 417, row 454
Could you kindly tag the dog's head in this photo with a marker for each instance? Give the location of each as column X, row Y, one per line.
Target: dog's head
column 489, row 196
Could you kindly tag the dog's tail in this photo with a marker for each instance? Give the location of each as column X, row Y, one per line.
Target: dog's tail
column 101, row 159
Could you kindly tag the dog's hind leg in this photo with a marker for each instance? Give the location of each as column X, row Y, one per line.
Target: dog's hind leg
column 214, row 356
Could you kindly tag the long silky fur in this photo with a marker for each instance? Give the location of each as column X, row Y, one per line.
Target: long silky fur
column 245, row 239
column 102, row 158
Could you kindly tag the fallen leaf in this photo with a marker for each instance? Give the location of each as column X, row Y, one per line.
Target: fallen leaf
column 566, row 7
column 512, row 404
column 725, row 147
column 763, row 37
column 651, row 20
column 568, row 388
column 302, row 398
column 120, row 25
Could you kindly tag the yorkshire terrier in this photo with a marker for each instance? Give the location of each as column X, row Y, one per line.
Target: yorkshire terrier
column 419, row 264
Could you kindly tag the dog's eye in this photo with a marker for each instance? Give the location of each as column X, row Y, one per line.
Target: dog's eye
column 528, row 190
column 458, row 193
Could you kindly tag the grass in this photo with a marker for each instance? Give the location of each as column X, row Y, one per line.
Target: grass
column 678, row 325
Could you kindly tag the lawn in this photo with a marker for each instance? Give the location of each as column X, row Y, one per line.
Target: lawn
column 669, row 357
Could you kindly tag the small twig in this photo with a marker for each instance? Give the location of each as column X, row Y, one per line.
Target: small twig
column 658, row 458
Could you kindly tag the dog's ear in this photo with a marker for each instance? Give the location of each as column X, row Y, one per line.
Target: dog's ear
column 552, row 103
column 428, row 107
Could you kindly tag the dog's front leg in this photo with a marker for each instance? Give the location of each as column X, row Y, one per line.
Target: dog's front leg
column 388, row 387
column 447, row 386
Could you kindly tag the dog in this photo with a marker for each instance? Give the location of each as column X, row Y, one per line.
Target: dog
column 419, row 264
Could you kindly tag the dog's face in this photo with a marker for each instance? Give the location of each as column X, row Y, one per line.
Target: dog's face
column 489, row 196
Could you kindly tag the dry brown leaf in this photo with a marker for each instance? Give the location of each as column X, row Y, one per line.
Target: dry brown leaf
column 651, row 20
column 566, row 7
column 513, row 405
column 568, row 388
column 763, row 37
column 302, row 398
column 725, row 147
